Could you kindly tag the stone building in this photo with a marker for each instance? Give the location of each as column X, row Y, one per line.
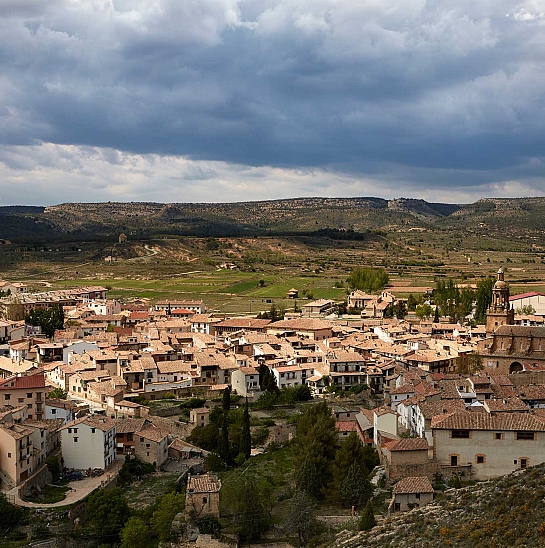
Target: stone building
column 203, row 496
column 509, row 348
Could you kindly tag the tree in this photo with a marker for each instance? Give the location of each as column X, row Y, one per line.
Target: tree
column 483, row 297
column 397, row 309
column 223, row 442
column 107, row 511
column 244, row 501
column 527, row 309
column 436, row 318
column 134, row 468
column 10, row 515
column 58, row 394
column 169, row 505
column 411, row 302
column 135, row 534
column 367, row 520
column 355, row 488
column 48, row 319
column 351, row 451
column 301, row 518
column 205, row 437
column 226, row 399
column 315, row 448
column 267, row 380
column 368, row 279
column 423, row 311
column 245, row 437
column 54, row 466
column 308, row 478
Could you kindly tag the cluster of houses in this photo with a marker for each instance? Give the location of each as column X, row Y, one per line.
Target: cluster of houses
column 442, row 412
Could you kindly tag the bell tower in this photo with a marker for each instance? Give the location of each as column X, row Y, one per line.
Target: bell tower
column 500, row 311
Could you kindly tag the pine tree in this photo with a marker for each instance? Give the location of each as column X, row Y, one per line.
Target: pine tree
column 351, row 450
column 302, row 517
column 436, row 316
column 245, row 436
column 355, row 488
column 367, row 520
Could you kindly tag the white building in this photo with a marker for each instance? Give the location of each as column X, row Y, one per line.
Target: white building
column 246, row 382
column 60, row 409
column 88, row 442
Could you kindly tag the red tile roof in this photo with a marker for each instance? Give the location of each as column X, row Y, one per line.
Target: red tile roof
column 28, row 381
column 408, row 444
column 526, row 295
column 418, row 484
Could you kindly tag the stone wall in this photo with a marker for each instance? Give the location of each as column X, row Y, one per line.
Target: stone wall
column 40, row 479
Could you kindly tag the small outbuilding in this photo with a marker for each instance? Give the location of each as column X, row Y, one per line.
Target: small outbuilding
column 411, row 492
column 122, row 238
column 203, row 496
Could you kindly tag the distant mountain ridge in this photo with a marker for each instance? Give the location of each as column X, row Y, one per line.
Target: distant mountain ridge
column 285, row 216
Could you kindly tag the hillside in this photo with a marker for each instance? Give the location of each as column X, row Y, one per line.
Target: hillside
column 506, row 512
column 294, row 216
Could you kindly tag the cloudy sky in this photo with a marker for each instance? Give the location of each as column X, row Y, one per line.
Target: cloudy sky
column 229, row 100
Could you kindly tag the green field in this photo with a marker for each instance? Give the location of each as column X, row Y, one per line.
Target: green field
column 228, row 291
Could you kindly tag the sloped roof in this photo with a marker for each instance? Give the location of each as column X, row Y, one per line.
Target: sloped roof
column 408, row 444
column 418, row 484
column 484, row 421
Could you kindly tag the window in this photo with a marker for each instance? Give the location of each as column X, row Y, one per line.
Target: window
column 75, row 440
column 75, row 430
column 53, row 411
column 7, row 396
column 460, row 434
column 479, row 459
column 454, row 460
column 524, row 463
column 20, row 400
column 417, row 496
column 498, row 436
column 9, row 455
column 525, row 435
column 29, row 406
column 69, row 430
column 93, row 430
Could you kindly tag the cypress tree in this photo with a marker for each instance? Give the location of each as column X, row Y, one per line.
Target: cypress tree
column 226, row 401
column 367, row 520
column 245, row 436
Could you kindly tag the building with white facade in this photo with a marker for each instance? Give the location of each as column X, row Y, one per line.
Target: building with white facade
column 88, row 442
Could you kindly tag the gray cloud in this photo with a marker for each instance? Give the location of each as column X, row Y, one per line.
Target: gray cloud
column 406, row 97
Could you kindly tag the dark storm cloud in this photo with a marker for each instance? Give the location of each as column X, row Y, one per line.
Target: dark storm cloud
column 424, row 94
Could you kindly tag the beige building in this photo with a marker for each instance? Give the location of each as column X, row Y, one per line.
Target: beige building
column 29, row 390
column 200, row 416
column 203, row 496
column 483, row 446
column 15, row 453
column 405, row 457
column 151, row 445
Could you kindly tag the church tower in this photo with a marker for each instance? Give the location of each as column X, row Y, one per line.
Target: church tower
column 500, row 311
